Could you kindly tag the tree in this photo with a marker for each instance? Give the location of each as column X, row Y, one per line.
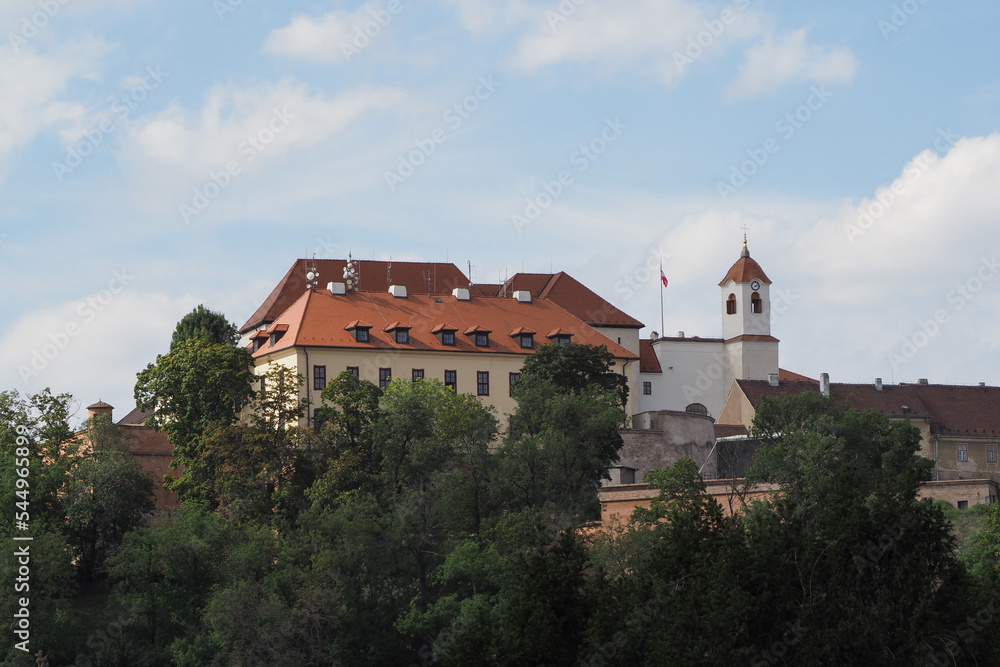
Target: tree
column 563, row 436
column 204, row 323
column 197, row 385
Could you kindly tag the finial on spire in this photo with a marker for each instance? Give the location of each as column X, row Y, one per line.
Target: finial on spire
column 746, row 251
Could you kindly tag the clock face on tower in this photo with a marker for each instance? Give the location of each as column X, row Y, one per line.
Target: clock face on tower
column 755, row 285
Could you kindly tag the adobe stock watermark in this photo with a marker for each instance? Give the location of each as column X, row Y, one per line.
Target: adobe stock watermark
column 86, row 312
column 886, row 198
column 120, row 110
column 891, row 534
column 249, row 150
column 967, row 631
column 786, row 127
column 364, row 34
column 455, row 117
column 699, row 43
column 582, row 158
column 223, row 7
column 562, row 12
column 649, row 269
column 959, row 296
column 33, row 24
column 777, row 651
column 900, row 16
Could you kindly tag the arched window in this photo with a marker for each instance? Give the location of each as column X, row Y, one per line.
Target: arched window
column 731, row 305
column 756, row 305
column 697, row 408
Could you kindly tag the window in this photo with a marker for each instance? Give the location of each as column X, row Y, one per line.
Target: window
column 514, row 377
column 274, row 338
column 563, row 339
column 353, row 370
column 447, row 337
column 963, row 452
column 482, row 339
column 963, row 504
column 384, row 377
column 319, row 377
column 697, row 409
column 731, row 305
column 418, row 374
column 402, row 336
column 256, row 343
column 647, row 388
column 361, row 335
column 527, row 341
column 991, row 453
column 483, row 382
column 756, row 304
column 451, row 380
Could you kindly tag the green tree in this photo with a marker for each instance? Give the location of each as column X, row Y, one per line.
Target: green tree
column 197, row 385
column 204, row 323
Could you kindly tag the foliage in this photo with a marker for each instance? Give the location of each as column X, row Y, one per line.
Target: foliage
column 204, row 323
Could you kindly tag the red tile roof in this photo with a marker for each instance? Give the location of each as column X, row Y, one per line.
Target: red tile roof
column 570, row 294
column 729, row 430
column 951, row 409
column 319, row 319
column 789, row 376
column 744, row 270
column 419, row 278
column 648, row 363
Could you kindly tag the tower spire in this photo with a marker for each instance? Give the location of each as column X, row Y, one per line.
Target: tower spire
column 746, row 251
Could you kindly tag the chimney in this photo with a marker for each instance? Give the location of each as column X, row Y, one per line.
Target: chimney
column 824, row 384
column 680, row 334
column 878, row 384
column 99, row 409
column 772, row 379
column 922, row 381
column 982, row 384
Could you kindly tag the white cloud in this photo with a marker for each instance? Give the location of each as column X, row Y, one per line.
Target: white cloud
column 334, row 38
column 175, row 149
column 34, row 86
column 788, row 58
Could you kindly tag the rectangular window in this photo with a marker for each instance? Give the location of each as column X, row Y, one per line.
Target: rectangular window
column 514, row 377
column 319, row 377
column 647, row 388
column 451, row 380
column 361, row 335
column 482, row 340
column 418, row 374
column 991, row 453
column 353, row 370
column 527, row 341
column 402, row 336
column 963, row 452
column 447, row 337
column 384, row 377
column 483, row 382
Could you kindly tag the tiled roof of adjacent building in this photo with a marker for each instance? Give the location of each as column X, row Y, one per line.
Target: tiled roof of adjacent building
column 135, row 418
column 729, row 430
column 321, row 319
column 571, row 295
column 789, row 376
column 951, row 409
column 648, row 363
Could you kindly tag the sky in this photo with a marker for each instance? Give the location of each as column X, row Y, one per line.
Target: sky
column 155, row 156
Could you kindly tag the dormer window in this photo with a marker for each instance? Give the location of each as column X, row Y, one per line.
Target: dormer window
column 359, row 330
column 479, row 335
column 445, row 333
column 258, row 340
column 524, row 337
column 731, row 305
column 400, row 332
column 560, row 336
column 756, row 304
column 275, row 334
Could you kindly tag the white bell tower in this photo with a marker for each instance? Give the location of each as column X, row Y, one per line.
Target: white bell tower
column 751, row 350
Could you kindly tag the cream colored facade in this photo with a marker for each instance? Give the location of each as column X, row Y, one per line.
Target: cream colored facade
column 402, row 363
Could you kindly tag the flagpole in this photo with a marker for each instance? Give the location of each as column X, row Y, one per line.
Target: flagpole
column 662, row 330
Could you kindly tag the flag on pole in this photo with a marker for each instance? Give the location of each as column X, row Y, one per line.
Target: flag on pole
column 663, row 277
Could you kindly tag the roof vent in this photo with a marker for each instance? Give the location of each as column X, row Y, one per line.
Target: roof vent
column 461, row 293
column 680, row 334
column 772, row 379
column 522, row 296
column 878, row 384
column 398, row 291
column 982, row 384
column 337, row 288
column 824, row 384
column 922, row 381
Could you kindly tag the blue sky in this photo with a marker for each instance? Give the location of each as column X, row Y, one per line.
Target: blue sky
column 154, row 156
